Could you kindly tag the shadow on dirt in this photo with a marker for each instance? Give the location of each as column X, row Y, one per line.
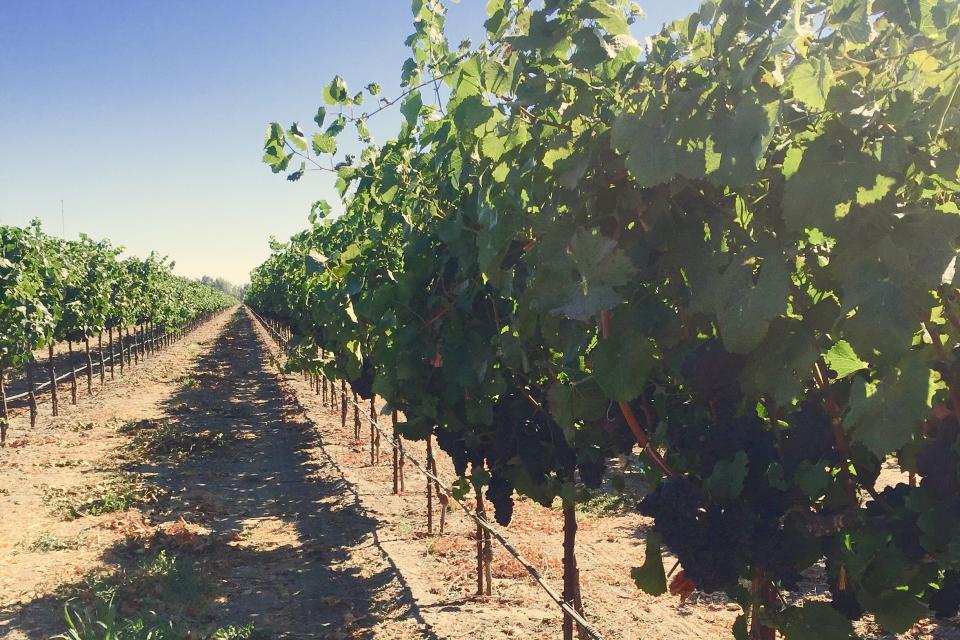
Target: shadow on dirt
column 271, row 531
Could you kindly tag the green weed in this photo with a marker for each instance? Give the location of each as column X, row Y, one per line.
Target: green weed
column 47, row 542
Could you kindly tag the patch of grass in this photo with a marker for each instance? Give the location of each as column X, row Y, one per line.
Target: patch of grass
column 178, row 578
column 47, row 542
column 103, row 621
column 233, row 633
column 62, row 502
column 173, row 440
column 601, row 504
column 121, row 494
column 124, row 493
column 188, row 382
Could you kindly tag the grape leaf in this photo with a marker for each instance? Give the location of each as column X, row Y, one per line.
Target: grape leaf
column 816, row 621
column 843, row 360
column 744, row 308
column 621, row 365
column 651, row 578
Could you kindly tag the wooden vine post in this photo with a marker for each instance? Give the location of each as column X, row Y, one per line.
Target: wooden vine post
column 73, row 373
column 429, row 486
column 110, row 351
column 356, row 417
column 120, row 348
column 86, row 347
column 343, row 405
column 396, row 454
column 571, row 573
column 374, row 433
column 53, row 380
column 4, row 414
column 31, row 394
column 484, row 550
column 103, row 372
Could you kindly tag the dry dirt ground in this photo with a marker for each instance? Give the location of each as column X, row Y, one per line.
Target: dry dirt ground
column 211, row 490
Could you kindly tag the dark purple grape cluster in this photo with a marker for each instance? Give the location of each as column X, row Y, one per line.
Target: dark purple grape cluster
column 500, row 494
column 901, row 521
column 809, row 437
column 713, row 374
column 939, row 461
column 945, row 601
column 702, row 537
column 453, row 444
column 363, row 385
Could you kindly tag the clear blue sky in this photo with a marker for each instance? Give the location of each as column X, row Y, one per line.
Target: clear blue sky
column 147, row 118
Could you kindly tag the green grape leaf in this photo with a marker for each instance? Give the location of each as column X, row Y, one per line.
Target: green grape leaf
column 816, row 621
column 811, row 81
column 843, row 360
column 832, row 170
column 778, row 367
column 897, row 611
column 336, row 92
column 621, row 365
column 324, row 144
column 472, row 113
column 726, row 480
column 411, row 106
column 321, row 116
column 651, row 578
column 744, row 308
column 650, row 159
column 886, row 415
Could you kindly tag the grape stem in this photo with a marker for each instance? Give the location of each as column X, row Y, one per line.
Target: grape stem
column 823, row 383
column 639, row 433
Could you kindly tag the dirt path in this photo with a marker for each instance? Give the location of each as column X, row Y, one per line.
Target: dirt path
column 254, row 530
column 66, row 462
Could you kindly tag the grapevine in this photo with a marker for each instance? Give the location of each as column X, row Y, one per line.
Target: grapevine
column 733, row 246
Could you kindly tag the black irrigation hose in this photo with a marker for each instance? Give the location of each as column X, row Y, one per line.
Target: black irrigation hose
column 532, row 570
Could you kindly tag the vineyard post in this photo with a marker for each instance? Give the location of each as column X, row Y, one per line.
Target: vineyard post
column 122, row 354
column 86, row 346
column 103, row 372
column 3, row 408
column 31, row 394
column 374, row 433
column 356, row 417
column 401, row 457
column 442, row 498
column 134, row 347
column 484, row 552
column 53, row 380
column 396, row 454
column 323, row 400
column 343, row 405
column 571, row 573
column 110, row 349
column 429, row 486
column 73, row 373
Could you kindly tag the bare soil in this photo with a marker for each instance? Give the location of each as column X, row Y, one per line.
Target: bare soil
column 277, row 518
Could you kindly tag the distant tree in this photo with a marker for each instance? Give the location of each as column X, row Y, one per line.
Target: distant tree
column 224, row 285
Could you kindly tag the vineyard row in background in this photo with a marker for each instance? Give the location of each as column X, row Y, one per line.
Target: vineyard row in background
column 54, row 291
